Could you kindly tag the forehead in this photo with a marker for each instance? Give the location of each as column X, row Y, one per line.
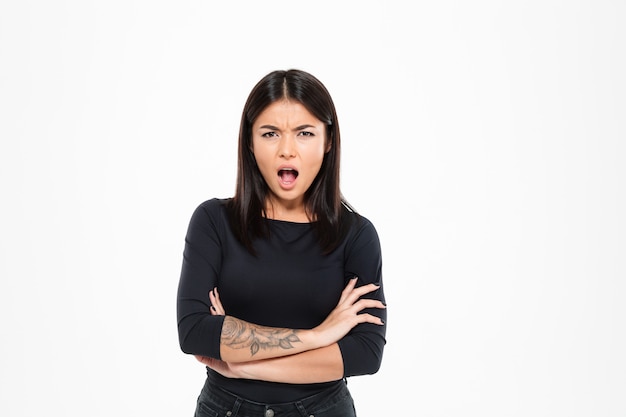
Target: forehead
column 286, row 112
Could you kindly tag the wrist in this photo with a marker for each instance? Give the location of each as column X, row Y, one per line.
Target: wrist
column 313, row 339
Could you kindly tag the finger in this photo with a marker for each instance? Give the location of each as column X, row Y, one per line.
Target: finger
column 358, row 292
column 219, row 306
column 369, row 318
column 364, row 303
column 213, row 302
column 367, row 288
column 216, row 305
column 348, row 289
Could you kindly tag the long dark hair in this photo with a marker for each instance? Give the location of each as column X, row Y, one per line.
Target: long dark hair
column 323, row 201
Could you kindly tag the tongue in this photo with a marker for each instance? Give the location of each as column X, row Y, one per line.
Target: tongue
column 287, row 176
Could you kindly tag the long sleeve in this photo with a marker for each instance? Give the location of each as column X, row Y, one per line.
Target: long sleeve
column 289, row 283
column 199, row 331
column 362, row 348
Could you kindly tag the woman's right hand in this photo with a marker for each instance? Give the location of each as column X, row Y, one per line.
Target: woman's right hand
column 347, row 314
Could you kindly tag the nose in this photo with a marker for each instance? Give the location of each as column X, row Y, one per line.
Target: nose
column 287, row 147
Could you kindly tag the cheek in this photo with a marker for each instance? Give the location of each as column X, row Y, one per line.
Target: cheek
column 320, row 155
column 316, row 153
column 264, row 166
column 315, row 160
column 260, row 154
column 262, row 162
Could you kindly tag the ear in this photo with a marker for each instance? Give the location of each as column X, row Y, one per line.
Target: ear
column 329, row 145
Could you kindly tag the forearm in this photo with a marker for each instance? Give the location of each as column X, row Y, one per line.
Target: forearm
column 313, row 366
column 241, row 341
column 244, row 342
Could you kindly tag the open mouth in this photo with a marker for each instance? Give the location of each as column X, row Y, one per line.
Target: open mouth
column 287, row 175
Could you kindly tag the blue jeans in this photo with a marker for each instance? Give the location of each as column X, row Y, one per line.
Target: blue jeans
column 216, row 402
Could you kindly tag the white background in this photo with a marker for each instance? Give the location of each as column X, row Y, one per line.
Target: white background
column 484, row 139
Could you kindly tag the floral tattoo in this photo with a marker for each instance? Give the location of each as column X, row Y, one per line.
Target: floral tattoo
column 238, row 335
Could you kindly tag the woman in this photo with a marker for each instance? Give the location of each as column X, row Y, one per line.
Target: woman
column 280, row 294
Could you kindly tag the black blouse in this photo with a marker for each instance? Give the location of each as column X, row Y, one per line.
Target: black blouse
column 290, row 283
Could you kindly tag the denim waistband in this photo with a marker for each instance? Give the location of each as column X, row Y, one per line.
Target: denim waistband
column 235, row 406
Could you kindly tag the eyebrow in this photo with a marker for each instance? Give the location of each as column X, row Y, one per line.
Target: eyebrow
column 301, row 127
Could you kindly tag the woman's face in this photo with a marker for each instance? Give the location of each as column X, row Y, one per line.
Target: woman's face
column 288, row 144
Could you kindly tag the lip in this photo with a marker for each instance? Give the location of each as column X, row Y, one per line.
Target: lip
column 285, row 166
column 287, row 185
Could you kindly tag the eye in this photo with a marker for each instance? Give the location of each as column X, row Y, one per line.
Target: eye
column 269, row 135
column 305, row 133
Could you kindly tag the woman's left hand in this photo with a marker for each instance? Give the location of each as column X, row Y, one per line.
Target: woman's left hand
column 219, row 366
column 216, row 305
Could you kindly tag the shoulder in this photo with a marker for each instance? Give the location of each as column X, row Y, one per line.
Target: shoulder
column 360, row 226
column 361, row 248
column 213, row 211
column 214, row 205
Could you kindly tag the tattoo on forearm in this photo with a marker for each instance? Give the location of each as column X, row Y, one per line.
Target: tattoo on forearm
column 238, row 335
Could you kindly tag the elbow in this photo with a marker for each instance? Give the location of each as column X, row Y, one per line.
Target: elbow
column 186, row 336
column 369, row 367
column 185, row 346
column 200, row 335
column 360, row 357
column 373, row 365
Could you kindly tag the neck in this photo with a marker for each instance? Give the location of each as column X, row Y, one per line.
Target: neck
column 296, row 214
